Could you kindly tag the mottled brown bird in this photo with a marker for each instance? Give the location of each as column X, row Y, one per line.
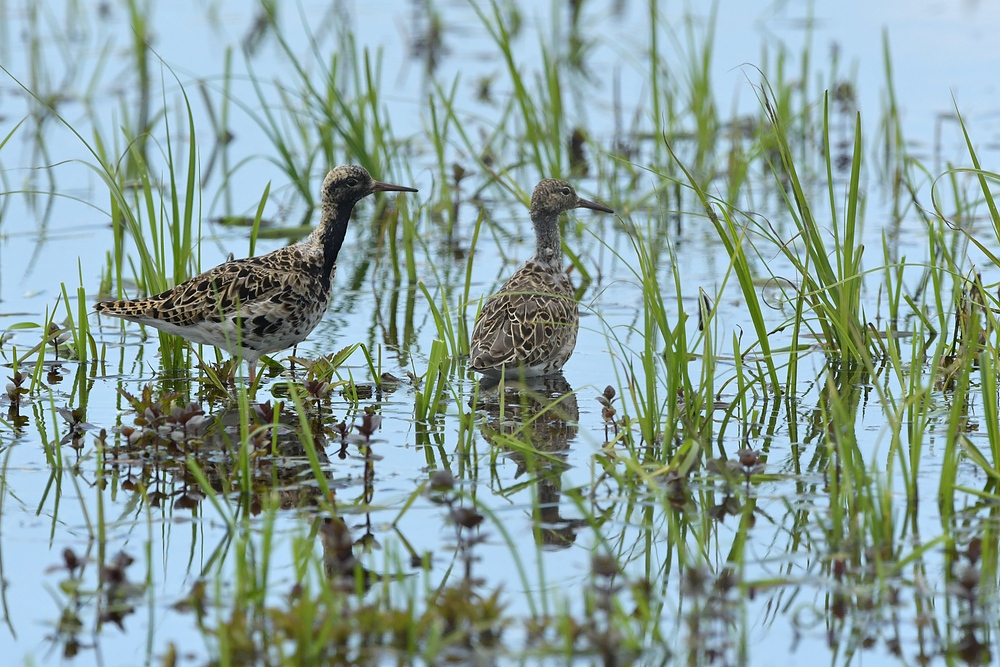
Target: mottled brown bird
column 258, row 305
column 529, row 326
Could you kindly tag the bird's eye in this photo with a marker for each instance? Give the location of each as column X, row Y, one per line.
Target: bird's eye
column 567, row 191
column 352, row 182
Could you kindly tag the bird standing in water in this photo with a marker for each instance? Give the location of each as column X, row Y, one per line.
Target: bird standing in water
column 529, row 326
column 258, row 305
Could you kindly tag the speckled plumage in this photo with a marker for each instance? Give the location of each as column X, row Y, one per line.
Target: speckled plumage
column 259, row 305
column 529, row 326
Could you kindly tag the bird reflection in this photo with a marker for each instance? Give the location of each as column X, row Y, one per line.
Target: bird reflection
column 281, row 464
column 541, row 413
column 343, row 571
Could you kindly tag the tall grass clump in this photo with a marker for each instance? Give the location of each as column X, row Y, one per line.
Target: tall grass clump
column 734, row 238
column 538, row 108
column 831, row 289
column 976, row 327
column 663, row 401
column 696, row 119
column 328, row 111
column 159, row 219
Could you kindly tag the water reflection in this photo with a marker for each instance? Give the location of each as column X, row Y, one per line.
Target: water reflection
column 534, row 421
column 341, row 568
column 151, row 455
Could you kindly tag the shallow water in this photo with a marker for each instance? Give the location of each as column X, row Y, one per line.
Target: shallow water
column 937, row 53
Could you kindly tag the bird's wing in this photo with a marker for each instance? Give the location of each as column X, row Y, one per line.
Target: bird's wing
column 525, row 322
column 229, row 290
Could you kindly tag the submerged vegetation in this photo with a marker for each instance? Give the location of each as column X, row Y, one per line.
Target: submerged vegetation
column 778, row 436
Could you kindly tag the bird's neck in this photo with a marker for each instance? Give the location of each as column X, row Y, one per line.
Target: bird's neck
column 548, row 247
column 329, row 236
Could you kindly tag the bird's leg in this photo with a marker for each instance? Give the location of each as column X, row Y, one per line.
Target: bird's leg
column 252, row 387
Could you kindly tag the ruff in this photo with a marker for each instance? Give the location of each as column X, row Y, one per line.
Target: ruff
column 529, row 326
column 258, row 305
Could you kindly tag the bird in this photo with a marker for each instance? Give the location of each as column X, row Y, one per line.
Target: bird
column 258, row 305
column 529, row 326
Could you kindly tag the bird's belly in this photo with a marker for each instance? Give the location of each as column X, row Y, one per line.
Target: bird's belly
column 285, row 330
column 222, row 334
column 259, row 330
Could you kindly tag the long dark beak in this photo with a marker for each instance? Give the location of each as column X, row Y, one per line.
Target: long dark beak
column 593, row 205
column 389, row 187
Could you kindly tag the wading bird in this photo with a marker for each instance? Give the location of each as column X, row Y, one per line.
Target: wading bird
column 529, row 326
column 258, row 305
